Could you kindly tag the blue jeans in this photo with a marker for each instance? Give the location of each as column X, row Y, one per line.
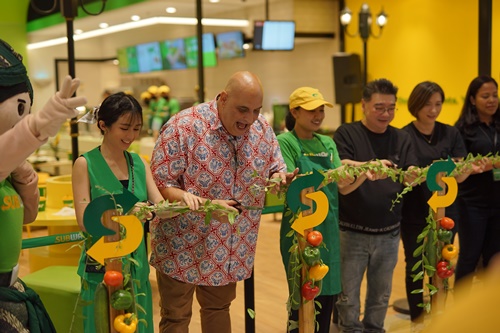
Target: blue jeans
column 377, row 254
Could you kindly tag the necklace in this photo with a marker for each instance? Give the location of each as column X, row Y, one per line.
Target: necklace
column 427, row 137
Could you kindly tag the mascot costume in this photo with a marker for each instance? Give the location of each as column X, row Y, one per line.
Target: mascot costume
column 21, row 133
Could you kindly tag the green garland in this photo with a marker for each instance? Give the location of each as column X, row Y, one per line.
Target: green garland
column 396, row 174
column 209, row 207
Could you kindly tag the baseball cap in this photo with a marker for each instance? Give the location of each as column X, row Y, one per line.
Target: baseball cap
column 153, row 90
column 163, row 89
column 307, row 98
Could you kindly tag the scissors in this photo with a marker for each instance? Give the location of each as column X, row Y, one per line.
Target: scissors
column 240, row 207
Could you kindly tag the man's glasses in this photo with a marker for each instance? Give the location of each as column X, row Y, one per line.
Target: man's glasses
column 381, row 110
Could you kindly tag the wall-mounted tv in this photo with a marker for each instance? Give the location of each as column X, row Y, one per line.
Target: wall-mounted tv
column 230, row 44
column 173, row 54
column 149, row 57
column 274, row 35
column 209, row 54
column 127, row 59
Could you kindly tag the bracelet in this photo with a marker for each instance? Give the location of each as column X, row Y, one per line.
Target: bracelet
column 153, row 215
column 355, row 178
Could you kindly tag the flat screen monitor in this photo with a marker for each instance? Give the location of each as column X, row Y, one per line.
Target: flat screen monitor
column 230, row 44
column 209, row 54
column 127, row 59
column 149, row 57
column 274, row 35
column 173, row 54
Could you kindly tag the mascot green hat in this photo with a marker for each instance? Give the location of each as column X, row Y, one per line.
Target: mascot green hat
column 13, row 75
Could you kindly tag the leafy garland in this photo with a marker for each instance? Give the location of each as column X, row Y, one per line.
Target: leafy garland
column 376, row 166
column 431, row 246
column 209, row 208
column 429, row 251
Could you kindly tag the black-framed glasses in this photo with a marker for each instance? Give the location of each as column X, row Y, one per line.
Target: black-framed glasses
column 381, row 109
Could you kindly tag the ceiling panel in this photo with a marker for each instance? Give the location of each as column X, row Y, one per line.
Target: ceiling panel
column 152, row 8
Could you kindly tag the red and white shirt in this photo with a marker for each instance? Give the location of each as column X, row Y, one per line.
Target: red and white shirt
column 196, row 153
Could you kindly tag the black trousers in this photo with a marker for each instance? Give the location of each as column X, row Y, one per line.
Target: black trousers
column 409, row 233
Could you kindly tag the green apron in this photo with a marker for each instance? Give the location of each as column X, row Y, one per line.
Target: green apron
column 18, row 309
column 101, row 175
column 329, row 228
column 11, row 220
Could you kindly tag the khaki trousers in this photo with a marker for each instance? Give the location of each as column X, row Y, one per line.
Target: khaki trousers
column 176, row 302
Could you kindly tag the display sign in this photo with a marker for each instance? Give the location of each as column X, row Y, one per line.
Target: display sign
column 274, row 35
column 230, row 44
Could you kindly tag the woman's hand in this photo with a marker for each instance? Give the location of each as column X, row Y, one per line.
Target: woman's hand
column 286, row 179
column 137, row 208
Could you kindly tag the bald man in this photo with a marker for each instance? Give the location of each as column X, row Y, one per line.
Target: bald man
column 211, row 151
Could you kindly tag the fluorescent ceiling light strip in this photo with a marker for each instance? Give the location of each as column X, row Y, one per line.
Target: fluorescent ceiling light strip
column 140, row 24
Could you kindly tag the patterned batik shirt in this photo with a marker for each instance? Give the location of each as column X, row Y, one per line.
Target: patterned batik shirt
column 196, row 153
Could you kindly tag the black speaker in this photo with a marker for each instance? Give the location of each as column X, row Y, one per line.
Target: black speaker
column 347, row 76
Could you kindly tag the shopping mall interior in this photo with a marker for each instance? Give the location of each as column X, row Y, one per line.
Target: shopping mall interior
column 131, row 45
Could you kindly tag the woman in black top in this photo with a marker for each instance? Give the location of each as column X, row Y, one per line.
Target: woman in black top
column 432, row 141
column 479, row 199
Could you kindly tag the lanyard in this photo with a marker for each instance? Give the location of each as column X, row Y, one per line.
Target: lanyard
column 495, row 138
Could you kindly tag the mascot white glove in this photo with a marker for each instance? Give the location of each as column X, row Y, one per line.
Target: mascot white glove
column 47, row 121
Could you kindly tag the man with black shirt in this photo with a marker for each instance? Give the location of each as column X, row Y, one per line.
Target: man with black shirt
column 369, row 229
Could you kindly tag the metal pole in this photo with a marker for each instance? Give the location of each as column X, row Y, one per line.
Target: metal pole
column 201, row 70
column 249, row 287
column 365, row 62
column 71, row 71
column 343, row 110
column 484, row 38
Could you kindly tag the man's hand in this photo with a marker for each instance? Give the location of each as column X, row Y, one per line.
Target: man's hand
column 380, row 174
column 192, row 201
column 228, row 204
column 57, row 110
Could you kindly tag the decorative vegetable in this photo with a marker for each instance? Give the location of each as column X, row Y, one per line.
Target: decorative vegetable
column 311, row 255
column 449, row 252
column 444, row 270
column 293, row 275
column 445, row 236
column 318, row 272
column 309, row 291
column 126, row 323
column 447, row 223
column 101, row 309
column 121, row 299
column 113, row 278
column 315, row 238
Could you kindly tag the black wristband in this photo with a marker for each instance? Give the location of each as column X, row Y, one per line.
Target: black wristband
column 153, row 215
column 355, row 178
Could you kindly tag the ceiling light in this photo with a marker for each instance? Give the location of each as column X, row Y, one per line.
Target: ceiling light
column 103, row 25
column 171, row 10
column 140, row 24
column 135, row 18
